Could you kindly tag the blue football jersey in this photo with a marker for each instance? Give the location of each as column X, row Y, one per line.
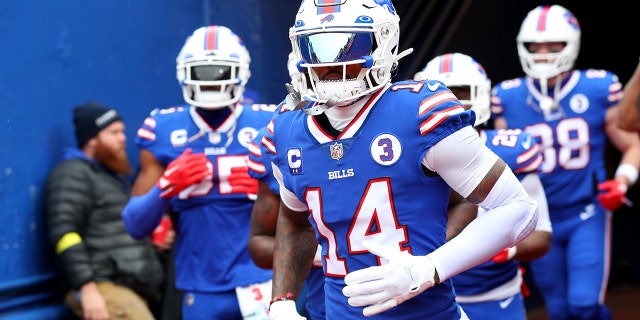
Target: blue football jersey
column 368, row 183
column 213, row 219
column 571, row 137
column 520, row 152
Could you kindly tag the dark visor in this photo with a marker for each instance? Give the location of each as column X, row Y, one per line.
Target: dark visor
column 210, row 73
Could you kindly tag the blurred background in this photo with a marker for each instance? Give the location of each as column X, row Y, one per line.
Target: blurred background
column 55, row 55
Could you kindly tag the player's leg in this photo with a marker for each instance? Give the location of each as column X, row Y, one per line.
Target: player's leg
column 550, row 273
column 511, row 308
column 589, row 262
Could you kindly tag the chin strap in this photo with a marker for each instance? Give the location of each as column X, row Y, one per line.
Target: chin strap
column 294, row 100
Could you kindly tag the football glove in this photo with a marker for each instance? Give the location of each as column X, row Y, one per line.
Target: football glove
column 383, row 287
column 284, row 310
column 612, row 195
column 241, row 182
column 184, row 171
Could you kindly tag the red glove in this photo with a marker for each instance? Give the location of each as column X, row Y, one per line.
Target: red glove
column 505, row 255
column 161, row 233
column 242, row 182
column 613, row 194
column 184, row 171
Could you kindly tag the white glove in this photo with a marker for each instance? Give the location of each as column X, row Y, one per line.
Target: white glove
column 284, row 310
column 381, row 288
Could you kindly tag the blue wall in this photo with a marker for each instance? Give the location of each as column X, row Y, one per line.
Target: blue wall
column 57, row 54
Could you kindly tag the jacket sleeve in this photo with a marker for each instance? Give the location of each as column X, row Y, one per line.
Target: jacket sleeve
column 68, row 201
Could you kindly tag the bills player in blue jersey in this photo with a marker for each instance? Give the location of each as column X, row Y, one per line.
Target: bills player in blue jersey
column 193, row 160
column 492, row 290
column 570, row 113
column 265, row 214
column 365, row 170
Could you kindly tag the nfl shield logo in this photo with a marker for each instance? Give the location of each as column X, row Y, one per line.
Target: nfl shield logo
column 336, row 151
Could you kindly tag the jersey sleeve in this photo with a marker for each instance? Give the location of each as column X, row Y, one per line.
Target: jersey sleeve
column 529, row 158
column 260, row 164
column 150, row 134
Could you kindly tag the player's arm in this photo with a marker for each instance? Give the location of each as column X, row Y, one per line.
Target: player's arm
column 295, row 248
column 612, row 192
column 264, row 216
column 483, row 178
column 145, row 208
column 461, row 212
column 628, row 117
column 538, row 242
column 150, row 171
column 476, row 173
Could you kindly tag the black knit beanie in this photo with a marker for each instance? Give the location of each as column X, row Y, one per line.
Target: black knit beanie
column 91, row 117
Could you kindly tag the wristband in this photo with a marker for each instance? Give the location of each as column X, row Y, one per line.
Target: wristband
column 287, row 297
column 628, row 171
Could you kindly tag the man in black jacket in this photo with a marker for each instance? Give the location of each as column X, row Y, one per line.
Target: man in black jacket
column 112, row 276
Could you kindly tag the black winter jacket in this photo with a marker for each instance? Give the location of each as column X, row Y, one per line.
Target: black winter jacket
column 84, row 204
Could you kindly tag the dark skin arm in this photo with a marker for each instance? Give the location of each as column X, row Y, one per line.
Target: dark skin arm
column 534, row 246
column 264, row 216
column 295, row 247
column 461, row 212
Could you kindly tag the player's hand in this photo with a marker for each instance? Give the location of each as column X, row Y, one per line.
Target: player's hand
column 383, row 287
column 163, row 235
column 612, row 194
column 242, row 182
column 505, row 255
column 284, row 310
column 184, row 171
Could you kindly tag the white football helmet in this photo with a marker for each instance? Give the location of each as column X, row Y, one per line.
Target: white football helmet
column 548, row 24
column 213, row 68
column 364, row 33
column 460, row 70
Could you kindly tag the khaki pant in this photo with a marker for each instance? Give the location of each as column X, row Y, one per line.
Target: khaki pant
column 122, row 302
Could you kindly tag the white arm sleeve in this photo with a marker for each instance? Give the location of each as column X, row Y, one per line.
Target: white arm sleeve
column 462, row 160
column 286, row 196
column 535, row 190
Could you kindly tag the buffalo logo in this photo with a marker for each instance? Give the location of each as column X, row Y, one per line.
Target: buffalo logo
column 327, row 18
column 337, row 152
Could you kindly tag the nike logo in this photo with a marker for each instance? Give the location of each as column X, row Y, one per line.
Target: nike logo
column 586, row 215
column 505, row 303
column 527, row 143
column 433, row 86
